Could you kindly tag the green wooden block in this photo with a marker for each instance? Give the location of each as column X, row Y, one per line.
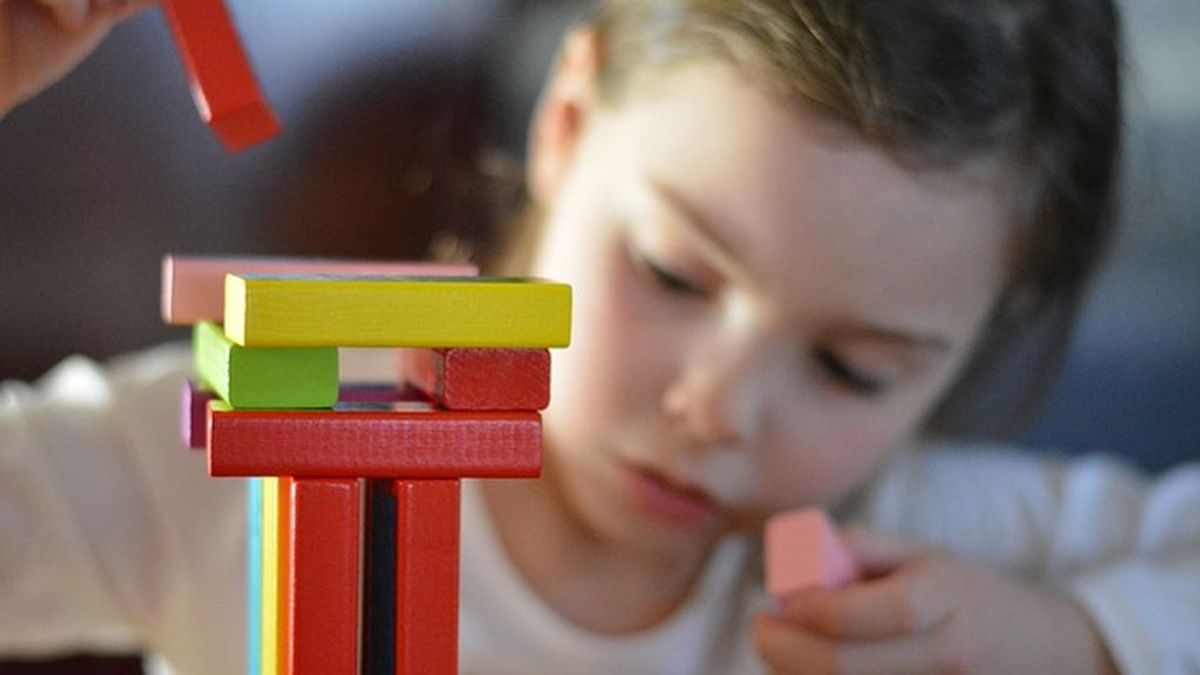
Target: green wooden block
column 265, row 377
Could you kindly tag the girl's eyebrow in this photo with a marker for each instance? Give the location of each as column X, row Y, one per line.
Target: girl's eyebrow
column 898, row 336
column 704, row 233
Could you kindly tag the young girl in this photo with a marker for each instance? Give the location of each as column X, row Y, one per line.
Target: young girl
column 800, row 234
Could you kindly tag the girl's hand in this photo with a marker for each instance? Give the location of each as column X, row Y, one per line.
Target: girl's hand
column 920, row 611
column 42, row 40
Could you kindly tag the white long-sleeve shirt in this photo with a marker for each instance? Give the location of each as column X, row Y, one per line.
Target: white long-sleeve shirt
column 112, row 536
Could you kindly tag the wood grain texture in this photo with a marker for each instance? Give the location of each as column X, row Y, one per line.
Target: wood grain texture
column 265, row 377
column 480, row 379
column 193, row 287
column 373, row 443
column 323, row 590
column 427, row 550
column 267, row 311
column 222, row 81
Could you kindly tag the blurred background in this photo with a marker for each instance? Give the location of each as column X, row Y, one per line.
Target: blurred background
column 397, row 116
column 393, row 112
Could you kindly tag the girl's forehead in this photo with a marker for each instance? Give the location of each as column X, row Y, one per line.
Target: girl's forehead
column 800, row 199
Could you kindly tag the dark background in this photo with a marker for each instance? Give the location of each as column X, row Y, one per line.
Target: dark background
column 391, row 108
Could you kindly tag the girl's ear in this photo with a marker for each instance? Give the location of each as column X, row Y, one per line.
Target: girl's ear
column 560, row 114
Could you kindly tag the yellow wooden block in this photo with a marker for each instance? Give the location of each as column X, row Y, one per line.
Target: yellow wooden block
column 316, row 311
column 271, row 579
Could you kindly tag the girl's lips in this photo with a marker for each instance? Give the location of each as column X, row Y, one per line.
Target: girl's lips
column 668, row 500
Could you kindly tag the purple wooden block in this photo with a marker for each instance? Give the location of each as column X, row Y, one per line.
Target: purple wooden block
column 195, row 403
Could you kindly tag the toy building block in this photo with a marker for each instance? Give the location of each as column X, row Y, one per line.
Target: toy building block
column 322, row 600
column 480, row 379
column 802, row 549
column 254, row 575
column 265, row 377
column 415, row 443
column 223, row 84
column 266, row 311
column 412, row 578
column 193, row 287
column 271, row 588
column 194, row 415
column 427, row 531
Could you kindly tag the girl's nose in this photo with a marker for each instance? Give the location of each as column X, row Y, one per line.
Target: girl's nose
column 721, row 396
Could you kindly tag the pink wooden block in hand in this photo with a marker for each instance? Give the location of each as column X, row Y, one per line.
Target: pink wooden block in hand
column 803, row 550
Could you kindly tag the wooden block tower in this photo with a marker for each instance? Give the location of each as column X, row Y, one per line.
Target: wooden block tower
column 353, row 501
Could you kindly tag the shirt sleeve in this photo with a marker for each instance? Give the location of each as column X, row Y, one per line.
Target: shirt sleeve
column 112, row 536
column 1127, row 547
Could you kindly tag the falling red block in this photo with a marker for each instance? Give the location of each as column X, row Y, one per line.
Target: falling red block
column 480, row 379
column 802, row 550
column 223, row 84
column 387, row 443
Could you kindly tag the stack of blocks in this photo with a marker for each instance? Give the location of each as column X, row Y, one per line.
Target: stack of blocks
column 354, row 501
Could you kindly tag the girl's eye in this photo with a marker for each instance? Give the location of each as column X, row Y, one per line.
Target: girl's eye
column 670, row 280
column 843, row 373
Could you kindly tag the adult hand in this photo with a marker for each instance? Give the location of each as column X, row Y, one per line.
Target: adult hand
column 42, row 40
column 921, row 611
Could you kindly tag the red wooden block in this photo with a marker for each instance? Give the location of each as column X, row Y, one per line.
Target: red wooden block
column 388, row 443
column 322, row 600
column 223, row 84
column 427, row 518
column 193, row 415
column 480, row 379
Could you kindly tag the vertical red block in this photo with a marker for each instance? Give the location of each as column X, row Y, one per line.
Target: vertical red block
column 480, row 379
column 427, row 545
column 325, row 533
column 223, row 84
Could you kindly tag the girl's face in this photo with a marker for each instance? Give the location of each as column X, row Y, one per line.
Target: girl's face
column 764, row 304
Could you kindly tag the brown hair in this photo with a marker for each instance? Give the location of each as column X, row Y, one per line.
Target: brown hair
column 1033, row 82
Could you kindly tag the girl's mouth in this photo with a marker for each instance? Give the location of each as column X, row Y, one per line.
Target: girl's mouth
column 668, row 499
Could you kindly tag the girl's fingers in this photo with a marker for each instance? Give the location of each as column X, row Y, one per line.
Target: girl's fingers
column 880, row 553
column 787, row 648
column 910, row 600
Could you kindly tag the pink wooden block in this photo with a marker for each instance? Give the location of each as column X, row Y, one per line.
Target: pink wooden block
column 193, row 288
column 803, row 550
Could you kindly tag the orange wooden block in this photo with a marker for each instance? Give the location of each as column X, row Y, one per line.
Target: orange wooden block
column 321, row 632
column 223, row 84
column 387, row 443
column 480, row 379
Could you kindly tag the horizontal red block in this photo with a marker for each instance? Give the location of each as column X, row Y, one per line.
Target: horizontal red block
column 373, row 443
column 480, row 379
